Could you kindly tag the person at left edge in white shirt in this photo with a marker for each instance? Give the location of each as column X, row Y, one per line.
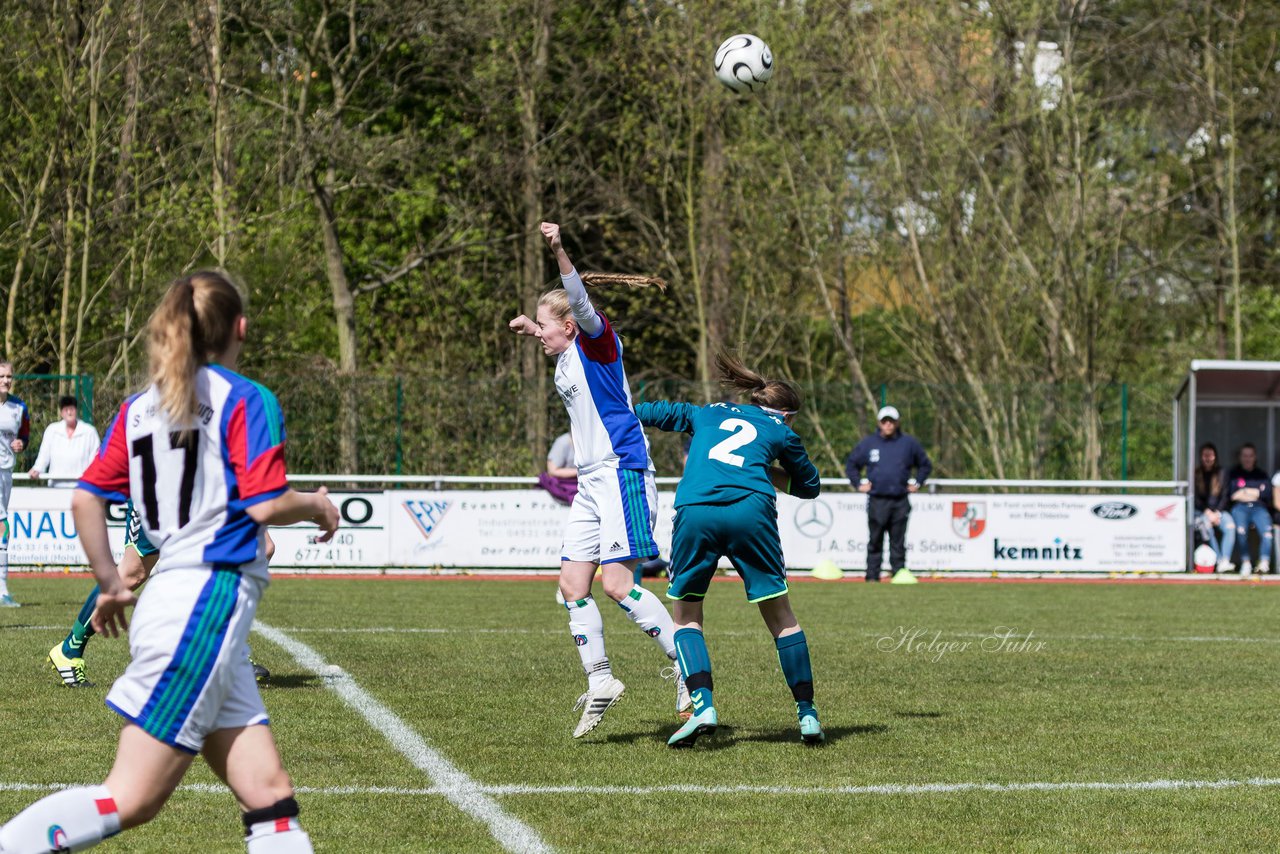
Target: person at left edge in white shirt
column 15, row 431
column 67, row 447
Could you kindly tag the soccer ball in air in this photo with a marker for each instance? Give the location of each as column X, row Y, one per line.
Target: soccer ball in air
column 744, row 63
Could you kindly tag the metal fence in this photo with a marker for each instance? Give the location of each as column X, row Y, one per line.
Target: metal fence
column 1039, row 430
column 435, row 424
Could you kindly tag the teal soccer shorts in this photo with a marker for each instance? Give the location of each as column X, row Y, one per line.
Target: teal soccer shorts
column 745, row 531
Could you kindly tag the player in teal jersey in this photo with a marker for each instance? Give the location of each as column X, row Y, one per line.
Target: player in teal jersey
column 725, row 507
column 67, row 656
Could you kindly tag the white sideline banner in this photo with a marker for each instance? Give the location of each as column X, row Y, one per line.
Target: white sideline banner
column 516, row 528
column 476, row 528
column 43, row 533
column 522, row 528
column 1054, row 533
column 1042, row 533
column 363, row 538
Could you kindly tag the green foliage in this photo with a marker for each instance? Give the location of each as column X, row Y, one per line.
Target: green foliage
column 1262, row 325
column 906, row 202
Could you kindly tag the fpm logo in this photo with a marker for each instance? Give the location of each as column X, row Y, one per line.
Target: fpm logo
column 426, row 514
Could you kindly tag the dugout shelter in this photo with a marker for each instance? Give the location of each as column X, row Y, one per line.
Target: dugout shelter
column 1228, row 403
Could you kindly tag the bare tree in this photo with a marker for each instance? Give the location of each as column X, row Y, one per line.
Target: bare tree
column 341, row 70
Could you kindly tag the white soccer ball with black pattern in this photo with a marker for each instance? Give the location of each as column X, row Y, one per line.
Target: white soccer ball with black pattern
column 744, row 63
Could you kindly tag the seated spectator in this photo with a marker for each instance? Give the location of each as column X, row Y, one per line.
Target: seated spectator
column 1250, row 502
column 67, row 448
column 1275, row 510
column 561, row 477
column 1210, row 499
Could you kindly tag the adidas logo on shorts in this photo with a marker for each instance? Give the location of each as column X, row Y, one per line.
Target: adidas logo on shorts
column 616, row 547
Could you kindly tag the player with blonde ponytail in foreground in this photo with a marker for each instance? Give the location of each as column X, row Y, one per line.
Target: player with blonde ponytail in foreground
column 201, row 455
column 725, row 507
column 611, row 520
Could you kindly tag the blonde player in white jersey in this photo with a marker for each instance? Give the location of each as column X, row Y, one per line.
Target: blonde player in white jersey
column 611, row 520
column 201, row 455
column 15, row 431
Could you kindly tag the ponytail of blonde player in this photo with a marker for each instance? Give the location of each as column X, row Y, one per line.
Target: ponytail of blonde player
column 194, row 324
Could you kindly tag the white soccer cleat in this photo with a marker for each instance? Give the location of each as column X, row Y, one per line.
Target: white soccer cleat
column 684, row 702
column 597, row 701
column 1246, row 569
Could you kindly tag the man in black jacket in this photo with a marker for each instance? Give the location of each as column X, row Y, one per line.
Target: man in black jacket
column 895, row 466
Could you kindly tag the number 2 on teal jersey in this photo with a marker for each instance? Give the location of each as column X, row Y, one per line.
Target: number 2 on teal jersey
column 743, row 434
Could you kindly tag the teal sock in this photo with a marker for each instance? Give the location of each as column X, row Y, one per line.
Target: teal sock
column 793, row 655
column 695, row 664
column 73, row 646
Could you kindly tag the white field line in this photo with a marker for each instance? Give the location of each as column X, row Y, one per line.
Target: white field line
column 677, row 788
column 894, row 633
column 406, row 630
column 1109, row 638
column 462, row 791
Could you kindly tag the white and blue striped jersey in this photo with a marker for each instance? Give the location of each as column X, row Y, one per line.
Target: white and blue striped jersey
column 193, row 483
column 593, row 385
column 15, row 423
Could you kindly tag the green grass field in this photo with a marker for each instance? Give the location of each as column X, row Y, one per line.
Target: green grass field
column 1129, row 683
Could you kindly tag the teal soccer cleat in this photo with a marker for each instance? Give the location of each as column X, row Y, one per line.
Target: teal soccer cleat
column 703, row 723
column 811, row 731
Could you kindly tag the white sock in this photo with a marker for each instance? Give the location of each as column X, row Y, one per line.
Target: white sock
column 70, row 820
column 587, row 628
column 278, row 836
column 648, row 612
column 4, row 559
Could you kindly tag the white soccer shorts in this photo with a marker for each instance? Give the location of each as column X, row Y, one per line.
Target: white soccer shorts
column 612, row 517
column 190, row 673
column 6, row 490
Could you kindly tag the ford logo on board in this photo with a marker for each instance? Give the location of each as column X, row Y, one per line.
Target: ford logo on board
column 1114, row 510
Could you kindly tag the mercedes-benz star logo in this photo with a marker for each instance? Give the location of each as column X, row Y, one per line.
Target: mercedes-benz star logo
column 814, row 518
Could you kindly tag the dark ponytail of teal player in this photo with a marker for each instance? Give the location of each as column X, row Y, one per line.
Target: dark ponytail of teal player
column 777, row 395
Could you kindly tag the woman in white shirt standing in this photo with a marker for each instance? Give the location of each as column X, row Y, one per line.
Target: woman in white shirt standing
column 67, row 448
